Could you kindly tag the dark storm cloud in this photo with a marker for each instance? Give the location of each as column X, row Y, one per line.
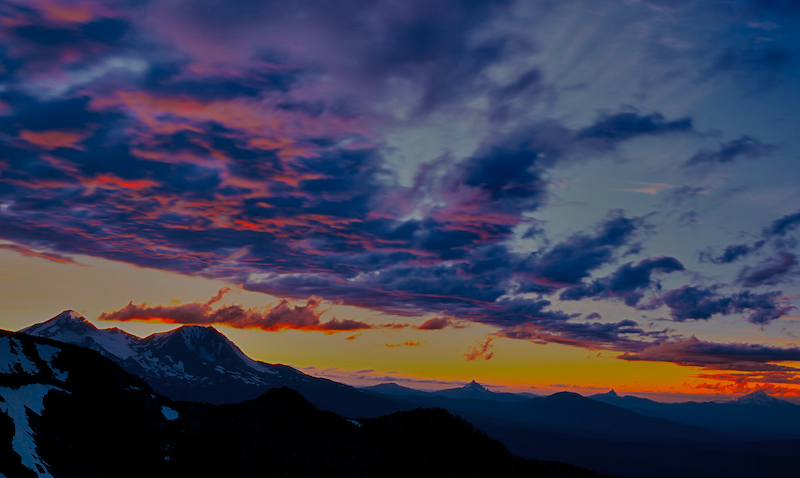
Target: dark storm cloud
column 744, row 147
column 627, row 283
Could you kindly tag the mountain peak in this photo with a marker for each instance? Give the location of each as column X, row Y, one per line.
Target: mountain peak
column 191, row 333
column 200, row 330
column 759, row 397
column 204, row 342
column 612, row 393
column 69, row 320
column 69, row 316
column 473, row 385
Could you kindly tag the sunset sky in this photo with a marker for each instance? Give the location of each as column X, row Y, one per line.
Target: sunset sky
column 538, row 195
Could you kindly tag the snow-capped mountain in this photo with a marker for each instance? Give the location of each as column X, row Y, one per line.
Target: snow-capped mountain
column 190, row 354
column 198, row 363
column 761, row 398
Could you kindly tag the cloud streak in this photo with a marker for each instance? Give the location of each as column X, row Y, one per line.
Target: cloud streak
column 276, row 318
column 714, row 356
column 701, row 303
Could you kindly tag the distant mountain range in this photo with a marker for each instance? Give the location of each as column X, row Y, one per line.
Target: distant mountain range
column 751, row 415
column 625, row 436
column 66, row 411
column 471, row 390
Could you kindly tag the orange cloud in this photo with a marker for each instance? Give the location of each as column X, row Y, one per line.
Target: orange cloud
column 439, row 323
column 53, row 139
column 483, row 349
column 407, row 343
column 107, row 180
column 276, row 318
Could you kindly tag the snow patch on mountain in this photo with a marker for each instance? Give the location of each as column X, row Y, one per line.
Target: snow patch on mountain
column 116, row 342
column 257, row 366
column 48, row 353
column 13, row 359
column 169, row 413
column 15, row 403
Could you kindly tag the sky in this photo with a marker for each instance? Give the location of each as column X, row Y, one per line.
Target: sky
column 539, row 195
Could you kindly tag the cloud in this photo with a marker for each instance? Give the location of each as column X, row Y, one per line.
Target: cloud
column 732, row 253
column 439, row 323
column 482, row 350
column 256, row 144
column 610, row 130
column 407, row 343
column 43, row 255
column 775, row 235
column 627, row 283
column 770, row 272
column 701, row 303
column 782, row 226
column 625, row 335
column 714, row 356
column 276, row 318
column 436, row 323
column 744, row 147
column 571, row 261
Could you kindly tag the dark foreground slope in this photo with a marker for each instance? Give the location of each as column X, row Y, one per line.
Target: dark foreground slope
column 584, row 432
column 67, row 411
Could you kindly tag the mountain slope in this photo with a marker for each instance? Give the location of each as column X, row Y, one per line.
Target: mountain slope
column 571, row 413
column 86, row 417
column 200, row 364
